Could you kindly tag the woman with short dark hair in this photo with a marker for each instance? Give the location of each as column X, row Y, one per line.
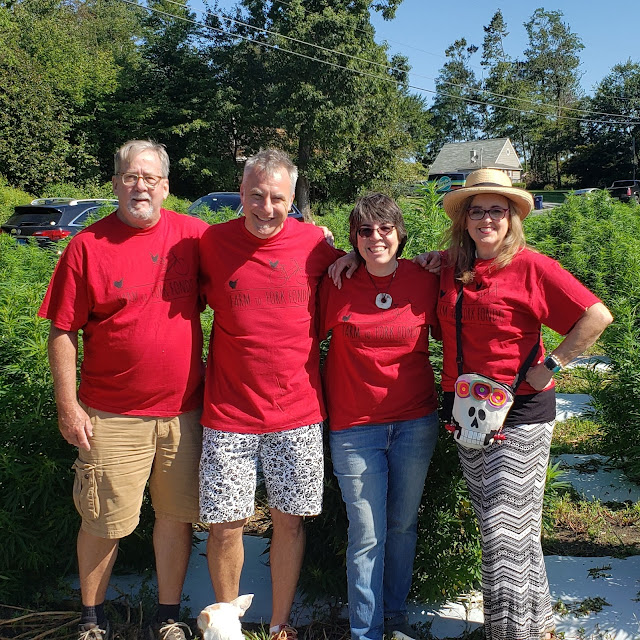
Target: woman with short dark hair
column 381, row 400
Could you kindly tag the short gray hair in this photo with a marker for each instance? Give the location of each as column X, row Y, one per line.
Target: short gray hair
column 131, row 149
column 270, row 161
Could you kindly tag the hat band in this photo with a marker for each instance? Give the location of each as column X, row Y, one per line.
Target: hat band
column 489, row 184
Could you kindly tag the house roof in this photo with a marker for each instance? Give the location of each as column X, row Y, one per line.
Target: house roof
column 497, row 153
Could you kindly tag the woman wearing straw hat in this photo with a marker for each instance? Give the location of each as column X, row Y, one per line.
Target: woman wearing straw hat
column 495, row 294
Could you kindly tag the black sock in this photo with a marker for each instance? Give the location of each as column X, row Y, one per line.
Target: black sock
column 88, row 615
column 102, row 618
column 93, row 614
column 168, row 612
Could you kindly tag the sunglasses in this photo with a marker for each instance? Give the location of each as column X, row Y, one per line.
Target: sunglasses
column 478, row 213
column 384, row 230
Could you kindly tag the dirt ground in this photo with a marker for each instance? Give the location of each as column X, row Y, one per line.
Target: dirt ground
column 611, row 540
column 619, row 542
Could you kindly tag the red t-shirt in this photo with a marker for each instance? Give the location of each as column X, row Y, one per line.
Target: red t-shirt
column 502, row 312
column 134, row 294
column 263, row 372
column 378, row 369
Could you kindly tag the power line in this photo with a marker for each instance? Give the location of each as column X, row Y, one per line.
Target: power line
column 535, row 103
column 430, row 53
column 367, row 73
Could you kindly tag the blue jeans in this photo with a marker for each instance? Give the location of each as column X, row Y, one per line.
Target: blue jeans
column 381, row 469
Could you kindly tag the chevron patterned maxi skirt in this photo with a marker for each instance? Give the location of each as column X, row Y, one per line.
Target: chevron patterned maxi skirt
column 506, row 482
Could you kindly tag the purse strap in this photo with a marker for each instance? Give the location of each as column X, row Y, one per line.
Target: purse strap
column 525, row 365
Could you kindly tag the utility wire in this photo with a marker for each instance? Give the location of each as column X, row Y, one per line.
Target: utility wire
column 370, row 74
column 535, row 103
column 430, row 53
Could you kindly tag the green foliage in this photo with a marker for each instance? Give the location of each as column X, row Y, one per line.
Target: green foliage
column 598, row 240
column 88, row 189
column 176, row 204
column 617, row 403
column 60, row 60
column 37, row 516
column 555, row 487
column 448, row 551
column 425, row 221
column 324, row 571
column 605, row 154
column 35, row 461
column 454, row 118
column 576, row 435
column 9, row 199
column 224, row 214
column 336, row 217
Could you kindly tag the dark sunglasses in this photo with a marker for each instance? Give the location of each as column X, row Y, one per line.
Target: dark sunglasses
column 384, row 230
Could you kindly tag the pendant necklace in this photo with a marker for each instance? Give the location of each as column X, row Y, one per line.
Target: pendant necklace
column 383, row 299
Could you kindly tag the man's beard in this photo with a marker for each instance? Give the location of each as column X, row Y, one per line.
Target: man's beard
column 140, row 213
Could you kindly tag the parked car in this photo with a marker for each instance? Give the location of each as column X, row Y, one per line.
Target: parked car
column 625, row 190
column 220, row 199
column 586, row 192
column 48, row 220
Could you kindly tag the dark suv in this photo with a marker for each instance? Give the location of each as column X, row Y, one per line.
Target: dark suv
column 231, row 199
column 47, row 220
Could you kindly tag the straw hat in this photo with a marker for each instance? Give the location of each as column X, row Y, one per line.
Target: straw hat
column 488, row 181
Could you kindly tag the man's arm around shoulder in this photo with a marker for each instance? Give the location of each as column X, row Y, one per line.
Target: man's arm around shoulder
column 73, row 421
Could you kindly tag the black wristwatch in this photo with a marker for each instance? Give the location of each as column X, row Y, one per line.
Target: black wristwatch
column 552, row 363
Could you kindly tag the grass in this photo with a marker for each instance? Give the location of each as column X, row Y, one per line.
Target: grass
column 573, row 525
column 593, row 517
column 576, row 435
column 580, row 527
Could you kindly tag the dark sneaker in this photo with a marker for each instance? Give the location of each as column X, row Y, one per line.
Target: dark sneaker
column 284, row 632
column 399, row 628
column 169, row 630
column 91, row 631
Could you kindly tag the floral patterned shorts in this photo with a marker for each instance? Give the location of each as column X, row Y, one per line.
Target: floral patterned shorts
column 292, row 464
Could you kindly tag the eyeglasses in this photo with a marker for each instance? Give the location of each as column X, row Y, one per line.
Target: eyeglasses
column 478, row 213
column 384, row 230
column 130, row 179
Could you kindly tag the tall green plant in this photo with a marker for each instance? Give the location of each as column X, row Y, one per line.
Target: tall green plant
column 9, row 199
column 37, row 517
column 598, row 240
column 37, row 523
column 617, row 403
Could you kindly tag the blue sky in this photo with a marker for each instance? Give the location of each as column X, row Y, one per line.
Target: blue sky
column 422, row 30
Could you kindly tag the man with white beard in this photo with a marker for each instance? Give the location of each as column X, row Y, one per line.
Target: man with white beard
column 129, row 282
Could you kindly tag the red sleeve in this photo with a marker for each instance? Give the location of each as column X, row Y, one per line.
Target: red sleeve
column 323, row 302
column 66, row 302
column 563, row 298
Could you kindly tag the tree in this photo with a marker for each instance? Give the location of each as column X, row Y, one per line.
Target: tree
column 58, row 62
column 176, row 97
column 506, row 90
column 454, row 110
column 610, row 145
column 552, row 63
column 337, row 106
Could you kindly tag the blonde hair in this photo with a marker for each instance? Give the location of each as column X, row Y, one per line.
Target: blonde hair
column 461, row 249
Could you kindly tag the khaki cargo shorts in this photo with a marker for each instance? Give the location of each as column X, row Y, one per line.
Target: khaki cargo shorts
column 128, row 451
